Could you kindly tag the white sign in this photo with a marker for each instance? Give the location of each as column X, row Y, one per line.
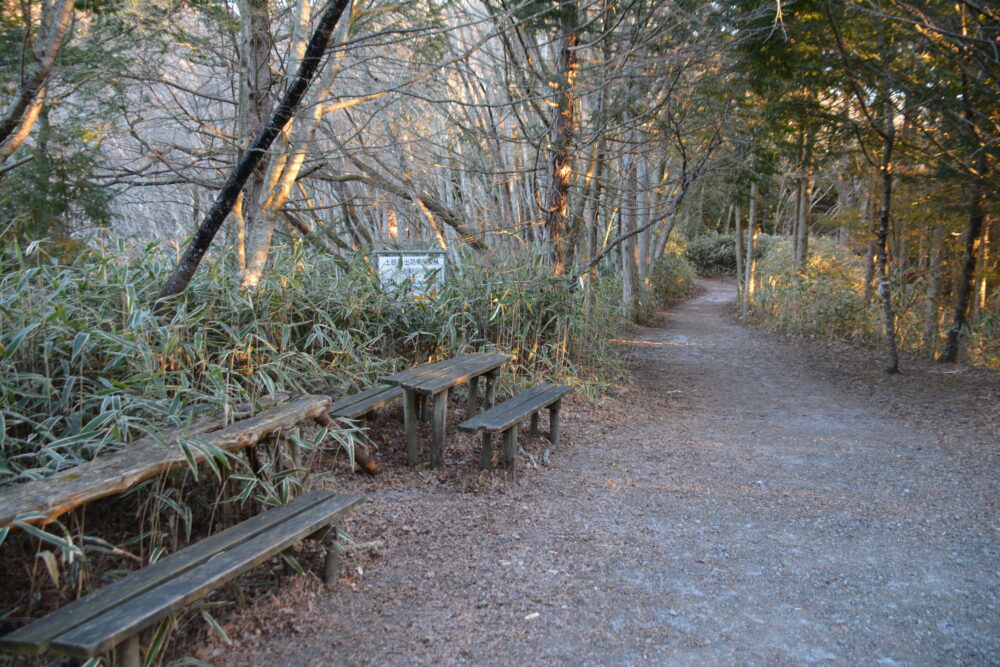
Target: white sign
column 419, row 269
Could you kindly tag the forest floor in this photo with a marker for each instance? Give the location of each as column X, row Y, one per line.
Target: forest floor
column 748, row 499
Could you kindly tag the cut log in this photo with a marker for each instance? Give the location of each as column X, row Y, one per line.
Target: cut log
column 119, row 471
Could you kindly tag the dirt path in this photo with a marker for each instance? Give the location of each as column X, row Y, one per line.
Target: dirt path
column 749, row 500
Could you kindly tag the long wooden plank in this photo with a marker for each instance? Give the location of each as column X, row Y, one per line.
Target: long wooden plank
column 119, row 471
column 103, row 632
column 512, row 410
column 35, row 637
column 411, row 373
column 365, row 401
column 437, row 381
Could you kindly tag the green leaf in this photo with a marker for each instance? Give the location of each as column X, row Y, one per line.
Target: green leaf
column 78, row 344
column 216, row 627
column 15, row 341
column 155, row 646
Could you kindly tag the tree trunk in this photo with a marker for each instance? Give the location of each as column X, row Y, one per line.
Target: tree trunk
column 888, row 316
column 933, row 291
column 751, row 261
column 255, row 108
column 562, row 137
column 739, row 249
column 20, row 116
column 804, row 196
column 973, row 231
column 224, row 201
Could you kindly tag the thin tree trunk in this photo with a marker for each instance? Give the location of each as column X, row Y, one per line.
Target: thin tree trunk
column 255, row 108
column 889, row 317
column 182, row 274
column 21, row 113
column 751, row 260
column 562, row 137
column 972, row 233
column 933, row 291
column 739, row 248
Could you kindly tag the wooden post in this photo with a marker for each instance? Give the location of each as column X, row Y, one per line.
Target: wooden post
column 509, row 447
column 491, row 388
column 554, row 422
column 534, row 423
column 470, row 399
column 410, row 422
column 422, row 407
column 332, row 564
column 129, row 654
column 294, row 449
column 440, row 414
column 486, row 455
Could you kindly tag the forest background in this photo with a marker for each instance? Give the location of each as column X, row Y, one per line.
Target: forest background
column 573, row 159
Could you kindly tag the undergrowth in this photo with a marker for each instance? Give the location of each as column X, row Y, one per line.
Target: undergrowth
column 85, row 364
column 827, row 300
column 673, row 277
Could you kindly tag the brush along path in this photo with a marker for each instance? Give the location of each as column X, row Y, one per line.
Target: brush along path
column 749, row 499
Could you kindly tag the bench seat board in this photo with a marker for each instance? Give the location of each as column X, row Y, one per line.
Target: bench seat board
column 411, row 373
column 439, row 380
column 35, row 637
column 363, row 402
column 102, row 632
column 502, row 416
column 119, row 471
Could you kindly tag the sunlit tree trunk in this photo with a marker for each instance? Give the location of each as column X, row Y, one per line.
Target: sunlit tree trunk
column 562, row 136
column 255, row 105
column 38, row 57
column 751, row 261
column 293, row 147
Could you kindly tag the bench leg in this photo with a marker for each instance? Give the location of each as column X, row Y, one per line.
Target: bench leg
column 129, row 653
column 422, row 407
column 491, row 388
column 440, row 414
column 470, row 398
column 510, row 445
column 410, row 421
column 332, row 564
column 554, row 423
column 534, row 423
column 486, row 454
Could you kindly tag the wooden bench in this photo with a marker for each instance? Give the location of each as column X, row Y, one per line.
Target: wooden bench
column 114, row 616
column 506, row 417
column 360, row 404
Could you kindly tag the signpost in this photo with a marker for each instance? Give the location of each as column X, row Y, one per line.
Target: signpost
column 420, row 270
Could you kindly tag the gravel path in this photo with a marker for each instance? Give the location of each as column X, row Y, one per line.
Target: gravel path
column 748, row 500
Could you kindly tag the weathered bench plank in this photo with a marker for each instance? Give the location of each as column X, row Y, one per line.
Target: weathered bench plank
column 411, row 373
column 363, row 402
column 505, row 418
column 506, row 414
column 119, row 471
column 437, row 381
column 99, row 621
column 110, row 628
column 36, row 636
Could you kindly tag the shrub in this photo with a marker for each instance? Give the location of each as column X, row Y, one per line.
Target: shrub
column 672, row 277
column 826, row 299
column 712, row 254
